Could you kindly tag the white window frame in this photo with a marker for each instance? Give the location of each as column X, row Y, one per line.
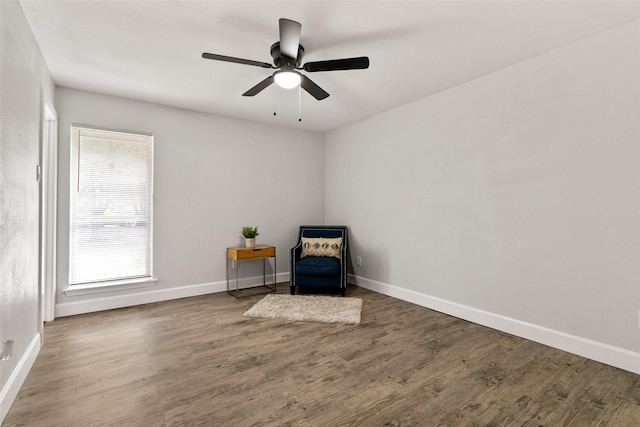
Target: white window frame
column 113, row 283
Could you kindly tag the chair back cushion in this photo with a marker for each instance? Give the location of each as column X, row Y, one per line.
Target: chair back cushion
column 318, row 231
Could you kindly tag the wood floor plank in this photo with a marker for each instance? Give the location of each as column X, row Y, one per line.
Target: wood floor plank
column 199, row 362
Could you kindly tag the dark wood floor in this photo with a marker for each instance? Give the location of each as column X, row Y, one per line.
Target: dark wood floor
column 199, row 362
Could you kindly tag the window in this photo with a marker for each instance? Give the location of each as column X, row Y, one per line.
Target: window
column 111, row 206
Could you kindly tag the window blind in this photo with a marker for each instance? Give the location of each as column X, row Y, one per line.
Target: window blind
column 111, row 206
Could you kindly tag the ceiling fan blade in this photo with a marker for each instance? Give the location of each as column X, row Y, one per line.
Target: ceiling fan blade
column 259, row 87
column 314, row 90
column 236, row 60
column 358, row 63
column 289, row 37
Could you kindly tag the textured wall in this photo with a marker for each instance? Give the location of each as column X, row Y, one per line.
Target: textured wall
column 23, row 78
column 517, row 194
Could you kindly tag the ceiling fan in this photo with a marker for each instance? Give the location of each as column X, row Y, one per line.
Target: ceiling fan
column 287, row 55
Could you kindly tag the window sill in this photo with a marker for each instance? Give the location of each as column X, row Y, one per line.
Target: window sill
column 96, row 288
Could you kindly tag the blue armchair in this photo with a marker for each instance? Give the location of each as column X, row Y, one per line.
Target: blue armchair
column 320, row 257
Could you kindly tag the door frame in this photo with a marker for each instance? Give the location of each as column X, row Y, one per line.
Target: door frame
column 48, row 175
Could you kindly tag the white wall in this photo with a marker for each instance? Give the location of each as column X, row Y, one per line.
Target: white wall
column 212, row 176
column 24, row 84
column 512, row 200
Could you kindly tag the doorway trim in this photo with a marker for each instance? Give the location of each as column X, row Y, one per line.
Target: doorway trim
column 48, row 213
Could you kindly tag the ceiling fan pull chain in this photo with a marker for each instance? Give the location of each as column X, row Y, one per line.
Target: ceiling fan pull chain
column 274, row 99
column 299, row 103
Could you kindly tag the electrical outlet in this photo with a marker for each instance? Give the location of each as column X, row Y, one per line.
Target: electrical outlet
column 359, row 262
column 7, row 350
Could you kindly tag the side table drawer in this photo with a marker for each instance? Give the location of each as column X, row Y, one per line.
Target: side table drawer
column 248, row 253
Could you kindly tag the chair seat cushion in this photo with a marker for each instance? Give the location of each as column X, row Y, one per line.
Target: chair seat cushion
column 318, row 266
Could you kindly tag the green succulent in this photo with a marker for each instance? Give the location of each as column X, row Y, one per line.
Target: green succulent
column 250, row 232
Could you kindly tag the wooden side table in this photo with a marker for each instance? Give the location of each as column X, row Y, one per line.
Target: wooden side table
column 240, row 253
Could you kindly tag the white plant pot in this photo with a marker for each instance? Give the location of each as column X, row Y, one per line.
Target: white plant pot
column 250, row 243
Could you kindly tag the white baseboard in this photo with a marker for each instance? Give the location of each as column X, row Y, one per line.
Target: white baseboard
column 121, row 299
column 18, row 376
column 605, row 353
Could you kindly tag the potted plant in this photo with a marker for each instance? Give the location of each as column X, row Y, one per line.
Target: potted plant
column 250, row 234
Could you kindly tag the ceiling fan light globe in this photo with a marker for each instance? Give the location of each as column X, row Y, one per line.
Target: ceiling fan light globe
column 287, row 79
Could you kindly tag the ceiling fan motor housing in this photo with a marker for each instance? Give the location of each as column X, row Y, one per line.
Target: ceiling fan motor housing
column 283, row 61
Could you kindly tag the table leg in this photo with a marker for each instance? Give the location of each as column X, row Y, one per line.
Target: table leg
column 237, row 272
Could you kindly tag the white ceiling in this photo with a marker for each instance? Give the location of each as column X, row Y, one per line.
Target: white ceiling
column 151, row 50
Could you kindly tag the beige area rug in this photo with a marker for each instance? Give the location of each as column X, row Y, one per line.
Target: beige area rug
column 308, row 308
